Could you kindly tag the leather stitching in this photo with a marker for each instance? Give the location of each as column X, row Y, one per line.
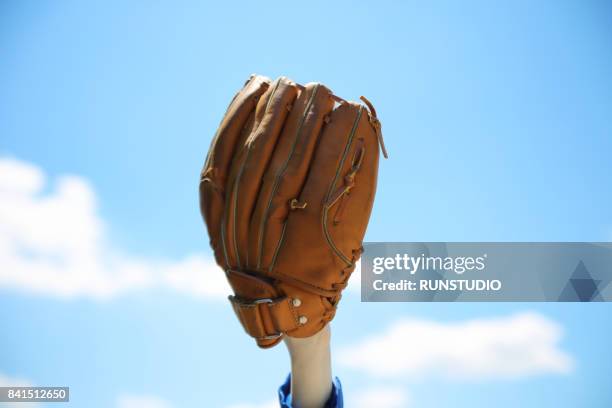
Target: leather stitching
column 326, row 207
column 241, row 171
column 281, row 172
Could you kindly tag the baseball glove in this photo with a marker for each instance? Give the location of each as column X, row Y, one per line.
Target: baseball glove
column 286, row 193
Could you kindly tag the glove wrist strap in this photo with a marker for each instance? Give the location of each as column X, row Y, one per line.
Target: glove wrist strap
column 264, row 315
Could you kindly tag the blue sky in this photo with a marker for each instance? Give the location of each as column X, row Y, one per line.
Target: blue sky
column 498, row 121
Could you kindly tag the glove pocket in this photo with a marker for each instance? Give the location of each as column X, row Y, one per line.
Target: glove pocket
column 327, row 221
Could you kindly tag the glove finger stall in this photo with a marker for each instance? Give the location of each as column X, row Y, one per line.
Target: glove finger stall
column 212, row 178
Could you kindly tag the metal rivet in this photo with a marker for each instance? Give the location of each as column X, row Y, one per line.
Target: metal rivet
column 303, row 320
column 296, row 302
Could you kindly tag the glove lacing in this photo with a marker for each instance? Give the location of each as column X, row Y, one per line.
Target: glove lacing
column 340, row 286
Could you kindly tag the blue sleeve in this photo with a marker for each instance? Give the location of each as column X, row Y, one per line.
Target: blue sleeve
column 334, row 401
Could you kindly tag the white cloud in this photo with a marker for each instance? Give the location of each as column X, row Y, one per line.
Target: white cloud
column 53, row 242
column 268, row 404
column 142, row 401
column 6, row 381
column 504, row 347
column 380, row 396
column 199, row 276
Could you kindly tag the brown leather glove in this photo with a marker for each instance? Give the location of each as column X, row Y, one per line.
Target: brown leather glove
column 286, row 193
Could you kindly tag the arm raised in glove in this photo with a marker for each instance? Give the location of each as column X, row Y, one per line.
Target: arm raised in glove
column 286, row 193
